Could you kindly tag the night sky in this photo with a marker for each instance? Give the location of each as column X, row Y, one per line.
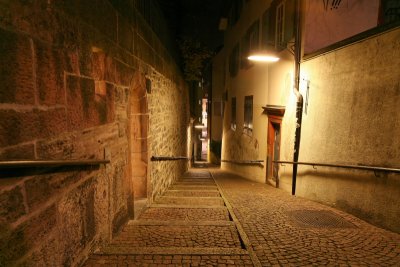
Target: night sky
column 196, row 18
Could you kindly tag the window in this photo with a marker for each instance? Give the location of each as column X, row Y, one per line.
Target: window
column 244, row 51
column 253, row 33
column 234, row 61
column 268, row 29
column 280, row 25
column 248, row 115
column 235, row 11
column 250, row 42
column 233, row 113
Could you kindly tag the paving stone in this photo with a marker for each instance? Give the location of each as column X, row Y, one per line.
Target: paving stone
column 273, row 222
column 280, row 230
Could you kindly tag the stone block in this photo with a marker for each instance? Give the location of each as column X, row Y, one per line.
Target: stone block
column 11, row 205
column 89, row 225
column 125, row 34
column 106, row 19
column 144, row 30
column 50, row 67
column 124, row 74
column 41, row 188
column 120, row 218
column 84, row 108
column 16, row 69
column 26, row 151
column 99, row 67
column 17, row 242
column 59, row 148
column 139, row 126
column 17, row 127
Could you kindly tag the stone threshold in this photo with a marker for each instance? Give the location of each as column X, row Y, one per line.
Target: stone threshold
column 126, row 250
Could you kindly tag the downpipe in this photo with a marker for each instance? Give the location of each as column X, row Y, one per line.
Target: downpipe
column 299, row 97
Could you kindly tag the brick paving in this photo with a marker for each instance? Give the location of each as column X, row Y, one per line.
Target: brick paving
column 258, row 226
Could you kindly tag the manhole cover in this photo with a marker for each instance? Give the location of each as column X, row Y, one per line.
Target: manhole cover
column 319, row 219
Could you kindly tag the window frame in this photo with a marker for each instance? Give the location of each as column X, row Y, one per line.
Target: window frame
column 248, row 115
column 280, row 24
column 233, row 114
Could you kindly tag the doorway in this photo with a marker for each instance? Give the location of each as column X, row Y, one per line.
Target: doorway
column 274, row 144
column 275, row 115
column 138, row 142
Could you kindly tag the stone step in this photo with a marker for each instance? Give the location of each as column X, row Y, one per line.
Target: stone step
column 180, row 222
column 194, row 187
column 186, row 206
column 127, row 250
column 212, row 201
column 180, row 236
column 188, row 214
column 190, row 193
column 183, row 182
column 198, row 175
column 196, row 180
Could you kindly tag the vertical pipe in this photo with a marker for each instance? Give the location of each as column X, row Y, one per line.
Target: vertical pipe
column 299, row 97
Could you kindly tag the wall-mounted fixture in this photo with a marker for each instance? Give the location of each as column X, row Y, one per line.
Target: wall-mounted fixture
column 199, row 126
column 263, row 56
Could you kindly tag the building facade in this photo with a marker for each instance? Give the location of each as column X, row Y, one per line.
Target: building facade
column 84, row 80
column 349, row 80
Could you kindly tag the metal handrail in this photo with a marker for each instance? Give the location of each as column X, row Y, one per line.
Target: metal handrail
column 360, row 167
column 167, row 158
column 50, row 163
column 245, row 162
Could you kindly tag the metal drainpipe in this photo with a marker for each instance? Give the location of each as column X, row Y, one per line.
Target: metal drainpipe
column 299, row 105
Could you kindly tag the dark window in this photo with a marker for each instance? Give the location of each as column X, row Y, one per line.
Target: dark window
column 233, row 113
column 250, row 42
column 248, row 114
column 235, row 11
column 234, row 61
column 280, row 24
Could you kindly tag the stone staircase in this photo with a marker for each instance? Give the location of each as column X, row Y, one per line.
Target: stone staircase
column 189, row 225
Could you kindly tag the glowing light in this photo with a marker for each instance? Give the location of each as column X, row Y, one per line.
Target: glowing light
column 199, row 126
column 263, row 58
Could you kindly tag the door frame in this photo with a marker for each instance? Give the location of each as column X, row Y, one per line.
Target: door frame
column 275, row 116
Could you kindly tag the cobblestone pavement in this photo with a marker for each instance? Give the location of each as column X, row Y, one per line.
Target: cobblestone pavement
column 236, row 222
column 290, row 231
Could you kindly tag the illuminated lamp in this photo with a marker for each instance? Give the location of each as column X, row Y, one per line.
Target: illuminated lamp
column 263, row 56
column 199, row 126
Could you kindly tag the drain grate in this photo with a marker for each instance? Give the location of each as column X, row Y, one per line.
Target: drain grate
column 319, row 219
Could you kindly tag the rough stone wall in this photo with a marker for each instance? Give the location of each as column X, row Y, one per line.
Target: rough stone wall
column 168, row 132
column 67, row 72
column 353, row 118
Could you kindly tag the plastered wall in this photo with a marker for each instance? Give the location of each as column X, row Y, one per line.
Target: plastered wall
column 353, row 118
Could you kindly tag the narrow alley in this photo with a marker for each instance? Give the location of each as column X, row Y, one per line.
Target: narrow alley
column 199, row 133
column 213, row 218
